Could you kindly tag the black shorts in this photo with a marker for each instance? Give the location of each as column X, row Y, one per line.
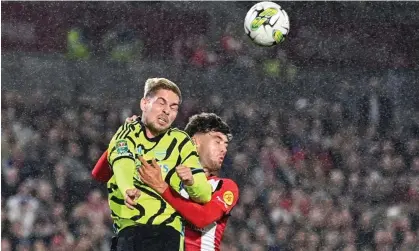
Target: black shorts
column 149, row 238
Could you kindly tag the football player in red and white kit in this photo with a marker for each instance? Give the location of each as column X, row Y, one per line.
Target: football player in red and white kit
column 205, row 223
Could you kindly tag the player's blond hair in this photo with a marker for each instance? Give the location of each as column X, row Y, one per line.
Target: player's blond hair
column 152, row 85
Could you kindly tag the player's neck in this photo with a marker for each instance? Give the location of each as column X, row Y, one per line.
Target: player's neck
column 209, row 173
column 150, row 134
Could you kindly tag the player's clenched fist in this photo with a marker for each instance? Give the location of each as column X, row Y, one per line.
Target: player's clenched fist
column 130, row 197
column 185, row 175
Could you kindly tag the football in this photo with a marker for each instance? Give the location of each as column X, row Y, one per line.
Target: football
column 266, row 24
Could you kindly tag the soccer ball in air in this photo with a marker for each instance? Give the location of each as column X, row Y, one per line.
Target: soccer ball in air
column 267, row 24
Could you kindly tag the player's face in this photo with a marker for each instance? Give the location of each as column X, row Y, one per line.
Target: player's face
column 212, row 148
column 160, row 111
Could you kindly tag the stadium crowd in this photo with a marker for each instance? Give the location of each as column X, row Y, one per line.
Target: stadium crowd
column 322, row 175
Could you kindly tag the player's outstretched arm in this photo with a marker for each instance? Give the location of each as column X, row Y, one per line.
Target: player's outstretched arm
column 198, row 215
column 202, row 215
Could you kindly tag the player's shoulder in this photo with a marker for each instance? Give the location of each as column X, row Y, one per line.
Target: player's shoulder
column 179, row 134
column 126, row 131
column 130, row 126
column 227, row 191
column 224, row 183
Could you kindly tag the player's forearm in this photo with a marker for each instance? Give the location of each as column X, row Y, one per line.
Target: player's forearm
column 200, row 191
column 159, row 188
column 198, row 215
column 123, row 170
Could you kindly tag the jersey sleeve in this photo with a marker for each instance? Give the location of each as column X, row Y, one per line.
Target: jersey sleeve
column 227, row 196
column 121, row 157
column 221, row 203
column 201, row 190
column 101, row 172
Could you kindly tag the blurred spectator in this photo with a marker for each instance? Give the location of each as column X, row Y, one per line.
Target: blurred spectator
column 375, row 108
column 122, row 44
column 23, row 209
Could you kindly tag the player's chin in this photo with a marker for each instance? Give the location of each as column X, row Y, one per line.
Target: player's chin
column 216, row 166
column 158, row 129
column 160, row 126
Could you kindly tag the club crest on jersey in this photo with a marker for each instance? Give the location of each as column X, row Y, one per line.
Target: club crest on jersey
column 228, row 197
column 122, row 147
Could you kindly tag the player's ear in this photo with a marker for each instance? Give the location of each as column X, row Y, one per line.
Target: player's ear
column 195, row 140
column 143, row 104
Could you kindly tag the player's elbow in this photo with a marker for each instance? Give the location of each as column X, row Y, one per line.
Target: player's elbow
column 202, row 198
column 206, row 193
column 200, row 221
column 200, row 191
column 201, row 224
column 205, row 198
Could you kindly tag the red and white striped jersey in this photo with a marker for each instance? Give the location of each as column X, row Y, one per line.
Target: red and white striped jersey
column 206, row 234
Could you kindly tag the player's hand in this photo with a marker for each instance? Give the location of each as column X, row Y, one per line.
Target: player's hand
column 151, row 175
column 130, row 197
column 185, row 175
column 131, row 119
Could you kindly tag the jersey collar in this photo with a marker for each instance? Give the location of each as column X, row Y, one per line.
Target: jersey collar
column 154, row 139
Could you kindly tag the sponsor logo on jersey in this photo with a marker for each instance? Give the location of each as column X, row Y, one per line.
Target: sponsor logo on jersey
column 222, row 201
column 159, row 154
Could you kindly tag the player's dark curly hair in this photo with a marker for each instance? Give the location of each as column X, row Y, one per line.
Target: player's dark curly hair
column 207, row 122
